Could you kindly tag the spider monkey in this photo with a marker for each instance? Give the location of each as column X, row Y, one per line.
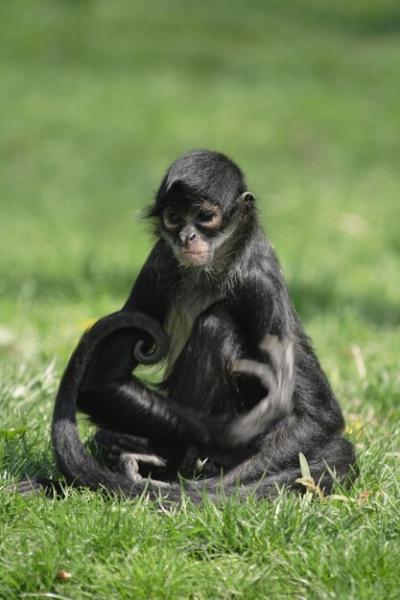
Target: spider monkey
column 243, row 387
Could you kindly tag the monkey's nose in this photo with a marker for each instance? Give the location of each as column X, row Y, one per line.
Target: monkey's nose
column 187, row 235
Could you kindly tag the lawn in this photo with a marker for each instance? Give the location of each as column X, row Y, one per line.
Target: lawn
column 97, row 98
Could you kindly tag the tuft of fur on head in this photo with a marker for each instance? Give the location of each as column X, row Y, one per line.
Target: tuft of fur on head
column 205, row 173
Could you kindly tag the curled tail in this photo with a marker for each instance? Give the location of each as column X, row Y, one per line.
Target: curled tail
column 75, row 464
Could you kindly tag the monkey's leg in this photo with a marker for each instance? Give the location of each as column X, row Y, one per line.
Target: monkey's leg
column 118, row 401
column 315, row 434
column 334, row 462
column 330, row 459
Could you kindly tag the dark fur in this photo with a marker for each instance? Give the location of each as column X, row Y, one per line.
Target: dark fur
column 246, row 301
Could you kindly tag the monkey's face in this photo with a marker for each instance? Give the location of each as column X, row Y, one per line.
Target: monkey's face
column 192, row 230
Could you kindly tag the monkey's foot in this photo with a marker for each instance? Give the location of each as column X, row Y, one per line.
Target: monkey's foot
column 118, row 455
column 129, row 464
column 115, row 445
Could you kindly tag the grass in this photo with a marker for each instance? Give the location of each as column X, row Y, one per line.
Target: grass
column 97, row 99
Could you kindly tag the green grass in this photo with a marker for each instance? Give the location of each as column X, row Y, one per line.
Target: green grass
column 97, row 98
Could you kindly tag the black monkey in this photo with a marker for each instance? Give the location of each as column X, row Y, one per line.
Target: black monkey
column 214, row 283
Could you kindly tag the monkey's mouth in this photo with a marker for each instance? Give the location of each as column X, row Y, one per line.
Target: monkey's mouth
column 195, row 258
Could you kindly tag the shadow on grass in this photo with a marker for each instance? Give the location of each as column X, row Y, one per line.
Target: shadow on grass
column 322, row 298
column 369, row 19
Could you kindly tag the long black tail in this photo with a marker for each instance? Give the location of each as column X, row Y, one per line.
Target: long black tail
column 78, row 467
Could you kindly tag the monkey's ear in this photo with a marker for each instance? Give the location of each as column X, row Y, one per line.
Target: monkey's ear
column 247, row 199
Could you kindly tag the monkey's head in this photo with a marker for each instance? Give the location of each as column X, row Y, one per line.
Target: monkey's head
column 201, row 205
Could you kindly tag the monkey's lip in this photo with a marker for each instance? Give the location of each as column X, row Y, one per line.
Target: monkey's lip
column 194, row 253
column 194, row 257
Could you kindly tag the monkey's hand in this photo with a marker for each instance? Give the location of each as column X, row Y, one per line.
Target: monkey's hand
column 117, row 446
column 278, row 379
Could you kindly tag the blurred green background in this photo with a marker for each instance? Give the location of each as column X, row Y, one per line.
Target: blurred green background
column 97, row 97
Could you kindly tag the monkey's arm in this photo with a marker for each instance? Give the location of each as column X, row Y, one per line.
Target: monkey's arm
column 260, row 301
column 117, row 400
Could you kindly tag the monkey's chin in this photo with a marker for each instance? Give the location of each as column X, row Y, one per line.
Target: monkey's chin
column 194, row 259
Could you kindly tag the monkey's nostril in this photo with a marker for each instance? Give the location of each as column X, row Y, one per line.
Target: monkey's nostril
column 192, row 237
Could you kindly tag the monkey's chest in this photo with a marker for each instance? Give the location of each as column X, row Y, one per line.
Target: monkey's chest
column 180, row 322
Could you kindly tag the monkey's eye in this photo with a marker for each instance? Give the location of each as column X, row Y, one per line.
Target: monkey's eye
column 206, row 216
column 172, row 219
column 209, row 218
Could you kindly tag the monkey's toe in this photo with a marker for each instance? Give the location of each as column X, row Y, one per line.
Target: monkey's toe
column 131, row 463
column 130, row 466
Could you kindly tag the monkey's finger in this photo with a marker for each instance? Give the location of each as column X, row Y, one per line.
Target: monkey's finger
column 150, row 459
column 281, row 356
column 275, row 349
column 289, row 360
column 269, row 342
column 245, row 428
column 106, row 439
column 130, row 467
column 258, row 369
